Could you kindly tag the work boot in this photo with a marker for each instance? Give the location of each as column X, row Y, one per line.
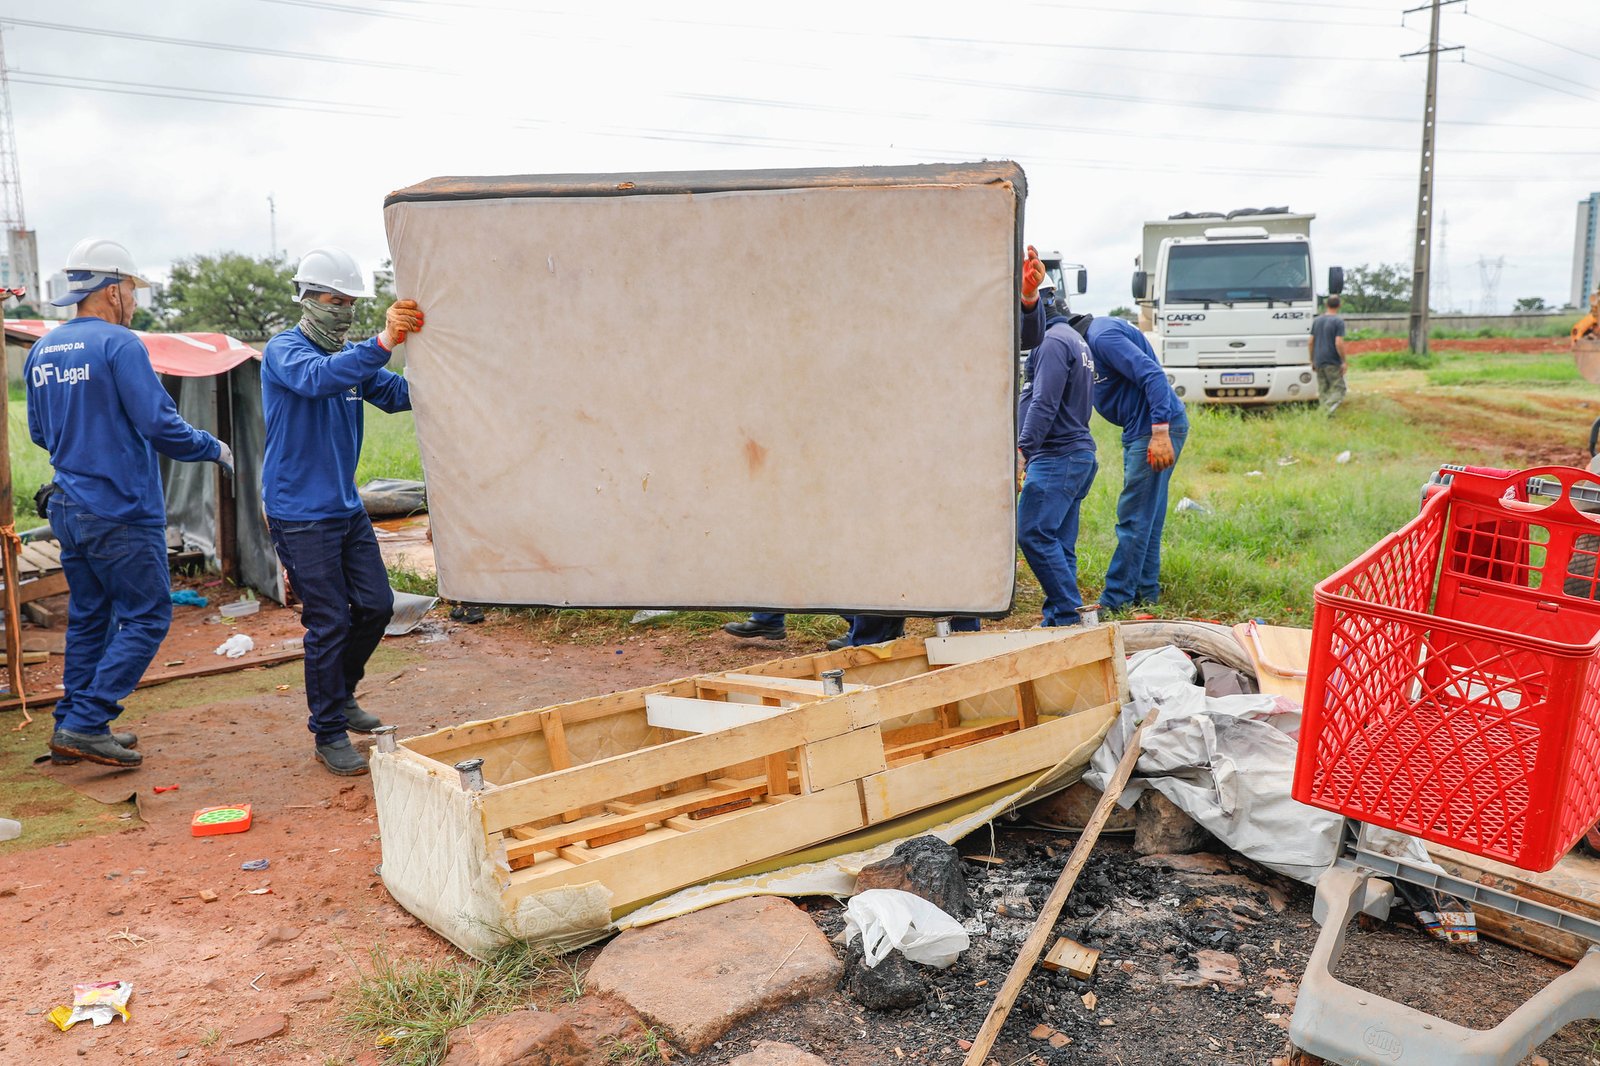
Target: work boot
column 127, row 740
column 838, row 642
column 752, row 630
column 358, row 720
column 342, row 758
column 96, row 748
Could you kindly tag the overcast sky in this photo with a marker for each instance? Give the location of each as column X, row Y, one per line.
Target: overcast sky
column 1119, row 111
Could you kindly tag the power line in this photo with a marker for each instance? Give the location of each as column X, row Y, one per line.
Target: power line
column 1070, row 6
column 1537, row 70
column 219, row 46
column 1535, row 84
column 1533, row 37
column 180, row 92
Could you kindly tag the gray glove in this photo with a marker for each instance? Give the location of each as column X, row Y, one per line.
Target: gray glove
column 225, row 458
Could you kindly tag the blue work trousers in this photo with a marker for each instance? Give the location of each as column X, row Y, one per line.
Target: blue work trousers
column 767, row 618
column 877, row 628
column 1047, row 528
column 119, row 607
column 1134, row 577
column 336, row 570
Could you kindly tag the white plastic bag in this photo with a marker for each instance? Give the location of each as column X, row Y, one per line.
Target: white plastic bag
column 886, row 918
column 236, row 646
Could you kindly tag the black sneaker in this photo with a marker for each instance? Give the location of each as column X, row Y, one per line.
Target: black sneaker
column 752, row 630
column 358, row 720
column 838, row 643
column 342, row 758
column 127, row 740
column 100, row 748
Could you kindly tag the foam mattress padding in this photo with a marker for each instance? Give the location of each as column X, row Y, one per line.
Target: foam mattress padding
column 788, row 389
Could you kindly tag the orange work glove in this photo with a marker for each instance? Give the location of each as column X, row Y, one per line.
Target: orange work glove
column 403, row 316
column 1160, row 454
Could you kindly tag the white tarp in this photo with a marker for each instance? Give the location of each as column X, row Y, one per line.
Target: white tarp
column 1228, row 763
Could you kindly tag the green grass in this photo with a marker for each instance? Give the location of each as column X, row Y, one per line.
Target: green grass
column 1558, row 326
column 389, row 448
column 418, row 1003
column 1553, row 368
column 30, row 464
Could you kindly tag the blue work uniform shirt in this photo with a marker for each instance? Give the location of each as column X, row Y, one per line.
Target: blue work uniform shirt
column 312, row 402
column 1054, row 410
column 96, row 405
column 1130, row 387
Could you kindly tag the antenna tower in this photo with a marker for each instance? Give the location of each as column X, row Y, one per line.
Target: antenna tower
column 1441, row 271
column 1489, row 277
column 21, row 262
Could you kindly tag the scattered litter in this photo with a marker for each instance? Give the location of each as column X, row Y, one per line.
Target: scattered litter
column 169, row 662
column 10, row 829
column 1288, row 460
column 471, row 614
column 887, row 918
column 1090, row 1000
column 189, row 598
column 214, row 821
column 293, row 644
column 165, row 788
column 240, row 609
column 236, row 646
column 1342, row 457
column 207, row 896
column 1187, row 504
column 258, row 891
column 255, row 864
column 98, row 1003
column 256, row 978
column 1254, row 473
column 132, row 938
column 390, row 1037
column 409, row 611
column 648, row 616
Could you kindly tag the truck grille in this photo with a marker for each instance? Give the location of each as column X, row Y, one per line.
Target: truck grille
column 1235, row 393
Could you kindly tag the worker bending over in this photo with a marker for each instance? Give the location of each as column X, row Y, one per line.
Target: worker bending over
column 1055, row 452
column 313, row 384
column 96, row 405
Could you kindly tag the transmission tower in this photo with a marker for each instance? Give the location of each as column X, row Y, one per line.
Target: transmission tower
column 21, row 262
column 1489, row 278
column 1441, row 269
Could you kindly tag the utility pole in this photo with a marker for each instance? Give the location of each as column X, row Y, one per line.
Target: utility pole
column 272, row 211
column 1417, row 330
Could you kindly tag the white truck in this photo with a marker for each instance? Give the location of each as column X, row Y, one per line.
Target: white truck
column 1227, row 302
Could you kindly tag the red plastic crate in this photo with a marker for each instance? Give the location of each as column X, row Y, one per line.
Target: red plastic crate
column 1454, row 685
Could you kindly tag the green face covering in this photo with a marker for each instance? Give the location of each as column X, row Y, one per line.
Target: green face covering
column 326, row 324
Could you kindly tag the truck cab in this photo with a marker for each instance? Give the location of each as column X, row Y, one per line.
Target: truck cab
column 1229, row 303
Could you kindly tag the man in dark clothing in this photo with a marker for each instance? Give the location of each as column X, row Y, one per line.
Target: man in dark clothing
column 1327, row 356
column 1057, row 454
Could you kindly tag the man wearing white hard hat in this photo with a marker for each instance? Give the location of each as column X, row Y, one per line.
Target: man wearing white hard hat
column 313, row 386
column 96, row 405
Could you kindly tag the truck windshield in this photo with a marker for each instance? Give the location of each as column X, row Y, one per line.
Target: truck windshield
column 1226, row 273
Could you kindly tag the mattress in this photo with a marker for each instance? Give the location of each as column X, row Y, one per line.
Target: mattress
column 767, row 389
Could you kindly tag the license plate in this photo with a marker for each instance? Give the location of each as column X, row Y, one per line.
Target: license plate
column 1239, row 379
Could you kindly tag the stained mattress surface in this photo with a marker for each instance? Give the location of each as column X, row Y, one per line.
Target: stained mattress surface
column 771, row 389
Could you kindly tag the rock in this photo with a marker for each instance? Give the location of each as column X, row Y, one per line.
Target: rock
column 924, row 866
column 295, row 973
column 894, row 984
column 282, row 934
column 698, row 975
column 264, row 1027
column 1161, row 827
column 1201, row 862
column 589, row 1032
column 1211, row 967
column 1071, row 807
column 525, row 1038
column 318, row 995
column 771, row 1053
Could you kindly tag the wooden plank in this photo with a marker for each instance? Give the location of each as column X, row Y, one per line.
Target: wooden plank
column 964, row 681
column 1573, row 884
column 1069, row 955
column 1022, row 968
column 226, row 667
column 778, row 774
column 594, row 783
column 555, row 745
column 39, row 588
column 41, row 562
column 530, row 842
column 914, row 786
column 842, row 759
column 1281, row 655
column 970, row 647
column 971, row 733
column 1027, row 705
column 712, row 849
column 950, row 715
column 797, row 690
column 49, row 549
column 712, row 812
column 690, row 715
column 808, row 685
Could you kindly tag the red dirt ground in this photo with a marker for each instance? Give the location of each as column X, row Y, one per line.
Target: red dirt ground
column 1472, row 344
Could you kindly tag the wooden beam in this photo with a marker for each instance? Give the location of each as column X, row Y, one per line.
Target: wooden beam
column 970, row 647
column 1027, row 705
column 1045, row 923
column 594, row 783
column 53, row 584
column 688, row 715
column 952, row 738
column 843, row 759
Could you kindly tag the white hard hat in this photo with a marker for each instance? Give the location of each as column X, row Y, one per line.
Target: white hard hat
column 331, row 270
column 94, row 263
